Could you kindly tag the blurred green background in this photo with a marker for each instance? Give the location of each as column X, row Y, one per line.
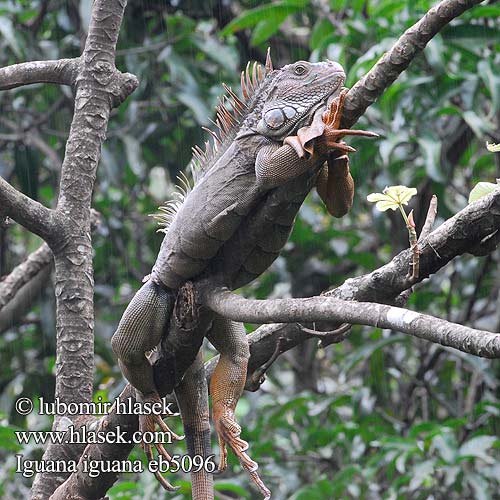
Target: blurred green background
column 381, row 415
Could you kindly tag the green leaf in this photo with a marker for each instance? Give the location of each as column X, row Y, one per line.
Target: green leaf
column 322, row 30
column 322, row 490
column 224, row 486
column 197, row 105
column 123, row 487
column 482, row 11
column 481, row 189
column 8, row 439
column 480, row 126
column 421, row 472
column 431, row 152
column 479, row 485
column 270, row 13
column 392, row 197
column 367, row 350
column 492, row 81
column 478, row 447
column 134, row 157
column 471, row 34
column 266, row 28
column 446, row 445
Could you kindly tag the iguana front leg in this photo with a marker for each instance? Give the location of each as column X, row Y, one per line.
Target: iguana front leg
column 277, row 164
column 226, row 386
column 141, row 328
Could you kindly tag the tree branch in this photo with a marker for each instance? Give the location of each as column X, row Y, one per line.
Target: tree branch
column 62, row 72
column 233, row 306
column 24, row 282
column 29, row 213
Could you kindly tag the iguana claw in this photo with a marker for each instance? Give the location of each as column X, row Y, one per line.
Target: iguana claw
column 332, row 117
column 229, row 432
column 148, row 423
column 294, row 141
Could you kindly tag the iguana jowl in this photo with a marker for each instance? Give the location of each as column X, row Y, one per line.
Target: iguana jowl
column 280, row 134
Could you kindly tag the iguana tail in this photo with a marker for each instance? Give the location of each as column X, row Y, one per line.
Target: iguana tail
column 192, row 398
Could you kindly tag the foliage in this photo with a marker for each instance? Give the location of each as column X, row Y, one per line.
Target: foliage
column 393, row 197
column 481, row 189
column 378, row 416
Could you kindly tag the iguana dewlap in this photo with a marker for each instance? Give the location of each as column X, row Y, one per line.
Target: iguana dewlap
column 273, row 147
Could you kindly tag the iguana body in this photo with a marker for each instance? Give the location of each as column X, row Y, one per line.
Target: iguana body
column 272, row 152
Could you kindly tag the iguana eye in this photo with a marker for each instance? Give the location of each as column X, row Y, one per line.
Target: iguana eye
column 300, row 69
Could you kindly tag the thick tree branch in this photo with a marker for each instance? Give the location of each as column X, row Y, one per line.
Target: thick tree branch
column 29, row 213
column 99, row 87
column 237, row 308
column 23, row 284
column 62, row 72
column 396, row 60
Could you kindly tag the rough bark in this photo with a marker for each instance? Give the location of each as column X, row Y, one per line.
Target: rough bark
column 61, row 72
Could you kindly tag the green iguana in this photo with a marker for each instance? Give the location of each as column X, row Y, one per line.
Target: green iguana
column 272, row 147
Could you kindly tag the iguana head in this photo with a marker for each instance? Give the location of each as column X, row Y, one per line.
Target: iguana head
column 295, row 93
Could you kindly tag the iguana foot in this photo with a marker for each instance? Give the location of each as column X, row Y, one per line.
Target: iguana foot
column 335, row 185
column 332, row 117
column 147, row 424
column 229, row 432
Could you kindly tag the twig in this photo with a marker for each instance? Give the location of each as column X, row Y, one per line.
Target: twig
column 327, row 338
column 429, row 219
column 259, row 376
column 29, row 213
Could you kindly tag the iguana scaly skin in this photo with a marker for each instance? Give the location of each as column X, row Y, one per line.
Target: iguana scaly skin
column 273, row 147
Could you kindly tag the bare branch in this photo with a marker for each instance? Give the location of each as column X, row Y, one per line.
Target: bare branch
column 463, row 338
column 31, row 137
column 429, row 219
column 396, row 60
column 29, row 213
column 26, row 280
column 62, row 72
